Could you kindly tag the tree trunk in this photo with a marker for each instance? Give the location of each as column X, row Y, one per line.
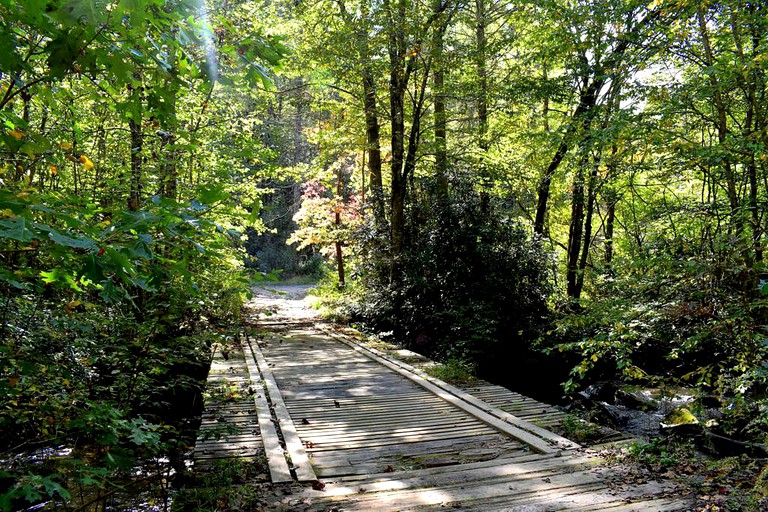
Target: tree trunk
column 575, row 231
column 482, row 100
column 438, row 92
column 610, row 220
column 581, row 119
column 398, row 82
column 170, row 171
column 373, row 147
column 137, row 143
column 754, row 122
column 337, row 222
column 587, row 238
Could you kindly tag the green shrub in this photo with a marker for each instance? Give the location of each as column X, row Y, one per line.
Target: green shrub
column 471, row 285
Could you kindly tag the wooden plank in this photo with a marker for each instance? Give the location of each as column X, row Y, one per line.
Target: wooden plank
column 550, row 437
column 582, row 486
column 415, row 457
column 543, row 464
column 477, row 402
column 388, row 441
column 378, row 420
column 542, row 445
column 293, row 444
column 230, row 421
column 278, row 466
column 395, row 436
column 434, row 446
column 414, row 394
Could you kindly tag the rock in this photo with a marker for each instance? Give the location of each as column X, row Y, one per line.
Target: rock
column 604, row 391
column 681, row 421
column 636, row 399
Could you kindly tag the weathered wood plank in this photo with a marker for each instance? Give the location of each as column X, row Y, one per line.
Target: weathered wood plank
column 494, row 442
column 378, row 421
column 542, row 445
column 293, row 444
column 480, row 406
column 278, row 466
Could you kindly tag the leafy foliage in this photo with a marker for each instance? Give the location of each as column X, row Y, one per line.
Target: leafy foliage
column 121, row 215
column 473, row 284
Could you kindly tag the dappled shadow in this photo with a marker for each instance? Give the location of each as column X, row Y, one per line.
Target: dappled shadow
column 381, row 442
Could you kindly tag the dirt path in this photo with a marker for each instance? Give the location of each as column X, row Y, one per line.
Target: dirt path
column 281, row 302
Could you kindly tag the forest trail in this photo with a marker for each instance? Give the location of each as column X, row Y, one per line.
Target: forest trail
column 367, row 431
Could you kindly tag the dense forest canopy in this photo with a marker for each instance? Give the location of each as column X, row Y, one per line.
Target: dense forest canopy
column 484, row 180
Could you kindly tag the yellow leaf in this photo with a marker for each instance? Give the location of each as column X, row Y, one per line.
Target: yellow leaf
column 86, row 162
column 594, row 358
column 54, row 170
column 16, row 134
column 66, row 146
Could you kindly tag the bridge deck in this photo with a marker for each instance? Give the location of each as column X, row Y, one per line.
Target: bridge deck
column 381, row 435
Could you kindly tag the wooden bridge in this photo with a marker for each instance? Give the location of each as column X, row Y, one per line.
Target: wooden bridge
column 364, row 428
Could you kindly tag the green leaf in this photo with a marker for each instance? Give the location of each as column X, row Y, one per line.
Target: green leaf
column 77, row 243
column 50, row 277
column 62, row 53
column 212, row 194
column 52, row 487
column 12, row 280
column 134, row 9
column 92, row 269
column 92, row 12
column 17, row 228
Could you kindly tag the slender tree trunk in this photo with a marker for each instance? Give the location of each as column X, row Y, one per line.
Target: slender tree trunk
column 373, row 147
column 414, row 134
column 481, row 66
column 101, row 152
column 169, row 151
column 610, row 220
column 754, row 122
column 398, row 82
column 137, row 144
column 575, row 231
column 372, row 123
column 545, row 109
column 587, row 238
column 582, row 116
column 581, row 121
column 438, row 86
column 337, row 221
